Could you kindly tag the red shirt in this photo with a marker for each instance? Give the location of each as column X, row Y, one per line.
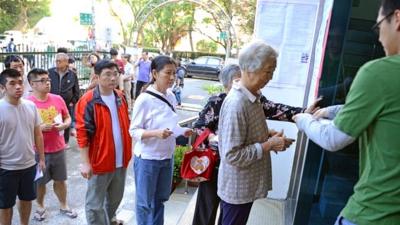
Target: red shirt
column 120, row 66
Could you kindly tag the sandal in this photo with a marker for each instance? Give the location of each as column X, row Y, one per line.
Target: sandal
column 68, row 212
column 39, row 215
column 117, row 222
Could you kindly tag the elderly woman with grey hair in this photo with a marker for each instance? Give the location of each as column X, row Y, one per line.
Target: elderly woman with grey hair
column 207, row 198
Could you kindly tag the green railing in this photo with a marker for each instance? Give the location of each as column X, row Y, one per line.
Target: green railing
column 46, row 60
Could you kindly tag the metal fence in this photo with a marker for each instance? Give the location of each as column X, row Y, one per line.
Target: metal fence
column 46, row 60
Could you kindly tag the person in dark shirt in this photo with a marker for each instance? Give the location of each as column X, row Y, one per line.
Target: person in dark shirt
column 64, row 82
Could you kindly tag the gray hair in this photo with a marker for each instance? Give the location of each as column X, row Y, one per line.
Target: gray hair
column 228, row 73
column 254, row 55
column 62, row 56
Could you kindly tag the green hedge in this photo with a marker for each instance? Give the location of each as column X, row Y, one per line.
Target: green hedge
column 193, row 55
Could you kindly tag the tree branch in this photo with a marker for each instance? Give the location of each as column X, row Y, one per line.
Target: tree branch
column 211, row 38
column 121, row 23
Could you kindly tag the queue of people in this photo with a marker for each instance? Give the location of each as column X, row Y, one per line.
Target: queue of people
column 33, row 137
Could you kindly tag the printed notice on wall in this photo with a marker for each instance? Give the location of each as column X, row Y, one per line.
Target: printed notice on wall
column 289, row 27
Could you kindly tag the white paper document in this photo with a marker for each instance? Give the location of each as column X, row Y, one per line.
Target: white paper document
column 177, row 130
column 58, row 119
column 39, row 173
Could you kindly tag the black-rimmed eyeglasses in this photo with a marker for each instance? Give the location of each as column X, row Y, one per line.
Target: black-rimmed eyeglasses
column 43, row 81
column 377, row 26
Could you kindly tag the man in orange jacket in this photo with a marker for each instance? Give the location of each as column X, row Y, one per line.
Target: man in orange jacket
column 102, row 125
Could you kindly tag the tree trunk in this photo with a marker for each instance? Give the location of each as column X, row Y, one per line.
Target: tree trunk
column 121, row 23
column 191, row 29
column 23, row 22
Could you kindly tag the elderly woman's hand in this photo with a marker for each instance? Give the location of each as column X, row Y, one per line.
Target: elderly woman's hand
column 314, row 107
column 278, row 142
column 163, row 134
column 188, row 133
column 272, row 132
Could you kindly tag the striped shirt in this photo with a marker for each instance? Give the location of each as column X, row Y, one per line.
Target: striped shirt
column 245, row 170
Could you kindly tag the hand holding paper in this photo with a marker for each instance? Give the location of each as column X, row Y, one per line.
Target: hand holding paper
column 39, row 172
column 58, row 123
column 178, row 131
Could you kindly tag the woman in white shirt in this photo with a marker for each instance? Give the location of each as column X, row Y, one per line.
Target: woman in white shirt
column 154, row 127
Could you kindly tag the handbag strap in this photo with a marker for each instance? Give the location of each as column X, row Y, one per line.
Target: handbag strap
column 161, row 98
column 201, row 138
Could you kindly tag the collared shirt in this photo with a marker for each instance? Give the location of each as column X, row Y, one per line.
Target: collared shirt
column 150, row 113
column 245, row 170
column 209, row 116
column 239, row 86
column 144, row 70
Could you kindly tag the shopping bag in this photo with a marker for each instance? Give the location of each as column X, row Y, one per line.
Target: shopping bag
column 199, row 163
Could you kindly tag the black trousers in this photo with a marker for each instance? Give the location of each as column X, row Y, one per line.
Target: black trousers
column 235, row 214
column 207, row 202
column 66, row 131
column 139, row 85
column 66, row 135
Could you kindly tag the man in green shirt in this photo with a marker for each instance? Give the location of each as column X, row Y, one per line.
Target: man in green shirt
column 372, row 114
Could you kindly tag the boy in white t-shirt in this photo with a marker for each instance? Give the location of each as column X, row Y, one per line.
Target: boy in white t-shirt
column 19, row 133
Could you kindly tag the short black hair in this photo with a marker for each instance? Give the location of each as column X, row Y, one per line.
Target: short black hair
column 389, row 6
column 8, row 73
column 35, row 72
column 12, row 58
column 127, row 56
column 104, row 64
column 62, row 50
column 113, row 51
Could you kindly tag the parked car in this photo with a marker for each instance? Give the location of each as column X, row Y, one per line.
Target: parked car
column 185, row 61
column 205, row 67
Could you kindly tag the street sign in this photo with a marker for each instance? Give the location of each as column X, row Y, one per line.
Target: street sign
column 223, row 35
column 86, row 19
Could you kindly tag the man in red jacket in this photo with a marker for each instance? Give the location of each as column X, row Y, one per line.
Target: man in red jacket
column 102, row 125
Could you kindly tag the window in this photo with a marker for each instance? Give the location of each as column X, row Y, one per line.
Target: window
column 214, row 61
column 201, row 60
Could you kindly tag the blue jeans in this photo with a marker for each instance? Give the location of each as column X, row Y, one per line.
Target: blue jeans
column 343, row 221
column 178, row 96
column 153, row 180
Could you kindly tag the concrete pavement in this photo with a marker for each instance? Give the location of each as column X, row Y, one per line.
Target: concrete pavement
column 174, row 208
column 76, row 185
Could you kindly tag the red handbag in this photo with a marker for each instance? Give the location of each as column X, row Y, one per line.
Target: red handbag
column 198, row 164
